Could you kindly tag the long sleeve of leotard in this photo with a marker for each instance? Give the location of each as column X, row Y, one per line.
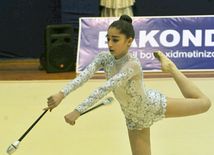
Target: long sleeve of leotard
column 119, row 80
column 84, row 76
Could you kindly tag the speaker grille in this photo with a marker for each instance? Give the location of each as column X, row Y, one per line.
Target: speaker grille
column 61, row 56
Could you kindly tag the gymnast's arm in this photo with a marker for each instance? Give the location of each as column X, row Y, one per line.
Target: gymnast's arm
column 95, row 65
column 124, row 75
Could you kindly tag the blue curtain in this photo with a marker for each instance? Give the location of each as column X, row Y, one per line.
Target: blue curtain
column 22, row 25
column 174, row 7
column 72, row 10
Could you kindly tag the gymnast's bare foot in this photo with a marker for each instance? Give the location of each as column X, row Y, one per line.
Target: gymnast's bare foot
column 166, row 63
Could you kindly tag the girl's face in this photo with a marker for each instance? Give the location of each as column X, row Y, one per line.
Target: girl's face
column 118, row 43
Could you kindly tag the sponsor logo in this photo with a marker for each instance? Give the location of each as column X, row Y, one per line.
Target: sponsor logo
column 167, row 38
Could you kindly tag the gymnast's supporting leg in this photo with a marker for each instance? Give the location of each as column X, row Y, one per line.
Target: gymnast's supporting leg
column 195, row 102
column 140, row 141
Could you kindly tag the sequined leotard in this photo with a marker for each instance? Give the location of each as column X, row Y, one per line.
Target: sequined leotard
column 125, row 79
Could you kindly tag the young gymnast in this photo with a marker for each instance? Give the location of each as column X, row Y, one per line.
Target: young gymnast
column 124, row 75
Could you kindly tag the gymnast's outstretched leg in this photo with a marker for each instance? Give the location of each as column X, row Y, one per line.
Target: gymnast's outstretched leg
column 194, row 101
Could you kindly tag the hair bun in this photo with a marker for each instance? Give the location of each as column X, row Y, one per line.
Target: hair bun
column 126, row 18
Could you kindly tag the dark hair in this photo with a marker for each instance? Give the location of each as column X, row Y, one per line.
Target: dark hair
column 124, row 25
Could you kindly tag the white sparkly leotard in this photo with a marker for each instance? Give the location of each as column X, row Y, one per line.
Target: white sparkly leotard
column 125, row 79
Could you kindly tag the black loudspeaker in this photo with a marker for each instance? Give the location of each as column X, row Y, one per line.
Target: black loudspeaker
column 60, row 48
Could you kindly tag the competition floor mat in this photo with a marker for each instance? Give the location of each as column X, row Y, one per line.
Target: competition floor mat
column 101, row 131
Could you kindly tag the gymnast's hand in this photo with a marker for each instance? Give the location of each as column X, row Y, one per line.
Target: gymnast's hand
column 72, row 117
column 54, row 101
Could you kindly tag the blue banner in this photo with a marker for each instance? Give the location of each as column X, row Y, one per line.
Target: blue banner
column 187, row 40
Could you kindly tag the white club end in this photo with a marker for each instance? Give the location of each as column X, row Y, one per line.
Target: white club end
column 13, row 147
